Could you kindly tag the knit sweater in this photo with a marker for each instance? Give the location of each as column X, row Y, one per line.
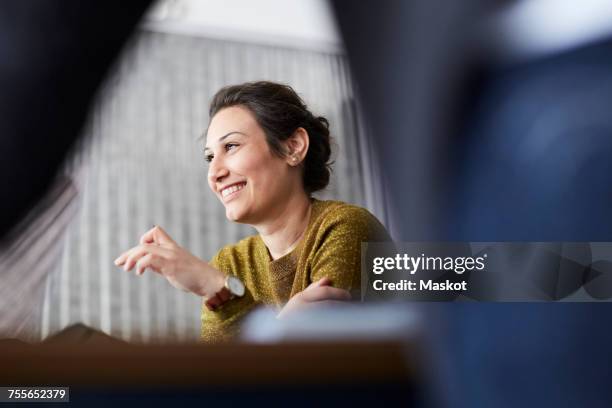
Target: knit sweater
column 330, row 247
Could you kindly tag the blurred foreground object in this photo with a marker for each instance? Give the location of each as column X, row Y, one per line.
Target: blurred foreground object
column 482, row 148
column 342, row 322
column 54, row 55
column 26, row 261
column 79, row 334
column 535, row 152
column 308, row 374
column 490, row 117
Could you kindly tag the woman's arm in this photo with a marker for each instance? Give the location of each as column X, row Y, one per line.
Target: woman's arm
column 160, row 253
column 336, row 262
column 317, row 293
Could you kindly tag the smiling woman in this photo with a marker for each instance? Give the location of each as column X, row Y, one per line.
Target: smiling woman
column 267, row 154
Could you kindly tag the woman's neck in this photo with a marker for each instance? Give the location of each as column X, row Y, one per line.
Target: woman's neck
column 282, row 234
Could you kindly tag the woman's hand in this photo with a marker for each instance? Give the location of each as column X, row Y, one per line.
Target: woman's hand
column 158, row 252
column 316, row 293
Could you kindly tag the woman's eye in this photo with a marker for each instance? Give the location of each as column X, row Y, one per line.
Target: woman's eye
column 230, row 146
column 208, row 158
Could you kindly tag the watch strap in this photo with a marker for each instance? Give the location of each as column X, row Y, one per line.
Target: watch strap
column 216, row 301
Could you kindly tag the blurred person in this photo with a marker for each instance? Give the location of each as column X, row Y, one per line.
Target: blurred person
column 531, row 153
column 55, row 54
column 267, row 154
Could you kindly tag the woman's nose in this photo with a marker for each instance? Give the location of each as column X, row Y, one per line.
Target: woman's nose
column 217, row 171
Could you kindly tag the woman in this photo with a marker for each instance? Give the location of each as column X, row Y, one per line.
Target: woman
column 267, row 154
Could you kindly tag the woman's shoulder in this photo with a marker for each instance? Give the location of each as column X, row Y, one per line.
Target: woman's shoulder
column 334, row 209
column 242, row 253
column 335, row 214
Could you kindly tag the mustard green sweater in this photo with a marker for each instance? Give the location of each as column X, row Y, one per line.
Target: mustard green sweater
column 330, row 247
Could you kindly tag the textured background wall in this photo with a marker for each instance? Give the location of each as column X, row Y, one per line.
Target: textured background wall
column 145, row 166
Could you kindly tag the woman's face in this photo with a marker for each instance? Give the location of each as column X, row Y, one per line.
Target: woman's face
column 243, row 173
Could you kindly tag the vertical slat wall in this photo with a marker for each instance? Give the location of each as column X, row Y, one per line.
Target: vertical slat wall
column 145, row 166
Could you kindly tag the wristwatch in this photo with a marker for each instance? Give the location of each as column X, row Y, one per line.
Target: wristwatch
column 232, row 288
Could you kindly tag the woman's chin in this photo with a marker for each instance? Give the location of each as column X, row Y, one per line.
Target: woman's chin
column 233, row 214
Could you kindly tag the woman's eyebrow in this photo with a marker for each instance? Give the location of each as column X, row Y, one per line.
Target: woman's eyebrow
column 222, row 138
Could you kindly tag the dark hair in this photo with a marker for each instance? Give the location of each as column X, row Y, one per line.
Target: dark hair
column 280, row 112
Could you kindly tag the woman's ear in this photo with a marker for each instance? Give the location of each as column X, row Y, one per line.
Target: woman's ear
column 297, row 146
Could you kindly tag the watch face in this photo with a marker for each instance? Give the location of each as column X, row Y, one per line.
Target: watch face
column 235, row 286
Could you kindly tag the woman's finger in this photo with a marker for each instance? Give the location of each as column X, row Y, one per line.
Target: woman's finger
column 142, row 250
column 124, row 256
column 147, row 237
column 326, row 293
column 150, row 261
column 121, row 259
column 325, row 281
column 156, row 235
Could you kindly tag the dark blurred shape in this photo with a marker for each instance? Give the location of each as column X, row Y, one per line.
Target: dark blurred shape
column 80, row 334
column 409, row 61
column 321, row 374
column 537, row 151
column 476, row 148
column 598, row 282
column 521, row 354
column 54, row 55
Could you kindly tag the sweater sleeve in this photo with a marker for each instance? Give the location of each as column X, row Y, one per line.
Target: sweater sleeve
column 223, row 324
column 338, row 253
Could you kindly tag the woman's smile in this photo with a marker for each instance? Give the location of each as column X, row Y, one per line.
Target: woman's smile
column 228, row 193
